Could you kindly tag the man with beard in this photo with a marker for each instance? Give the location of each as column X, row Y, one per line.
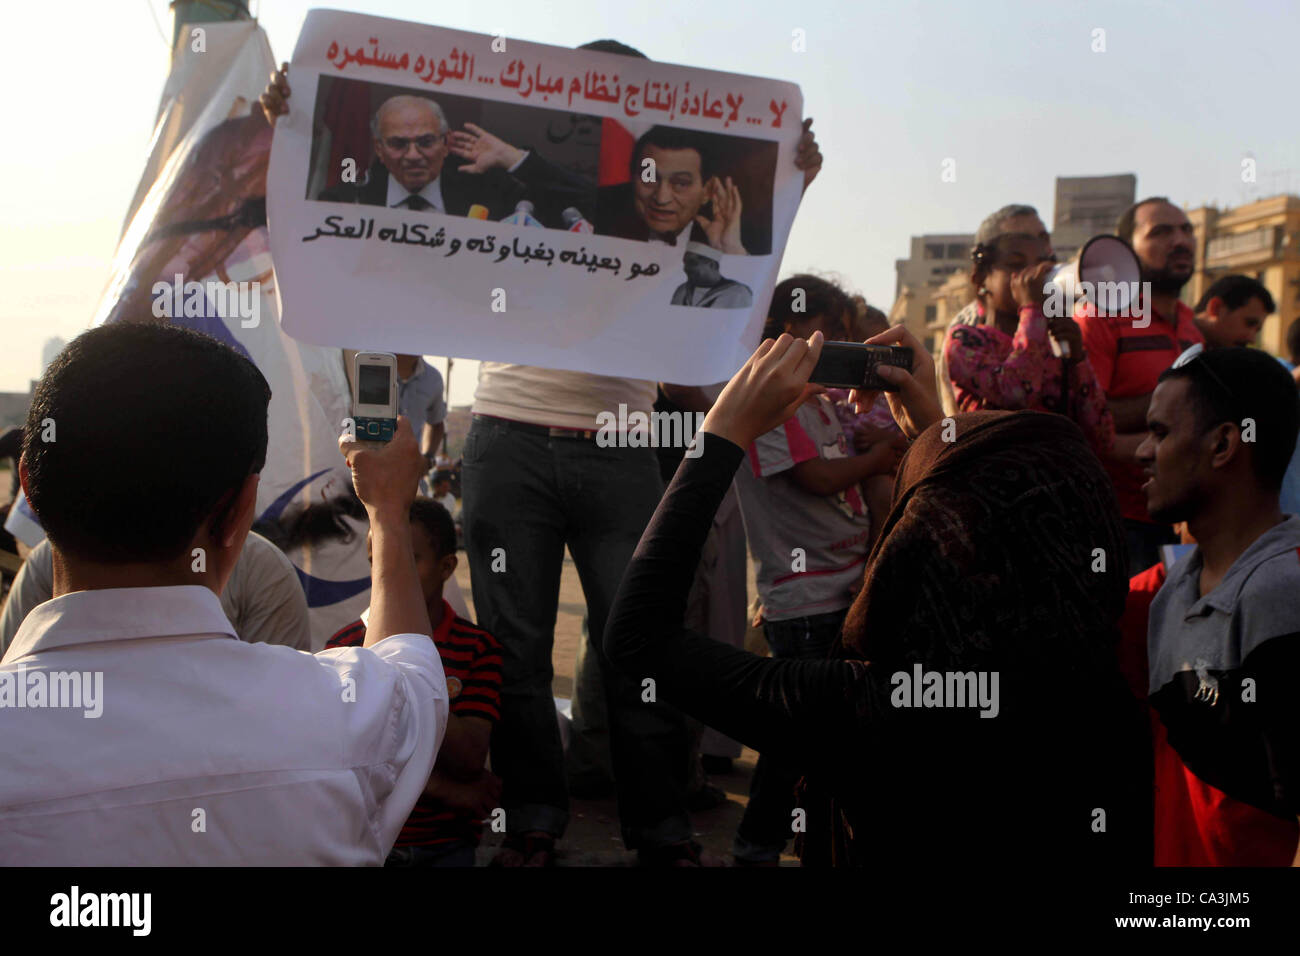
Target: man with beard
column 1128, row 352
column 1223, row 638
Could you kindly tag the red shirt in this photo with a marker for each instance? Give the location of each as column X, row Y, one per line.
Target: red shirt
column 1127, row 360
column 471, row 660
column 1196, row 824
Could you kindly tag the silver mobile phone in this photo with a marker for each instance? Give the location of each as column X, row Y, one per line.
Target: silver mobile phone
column 374, row 395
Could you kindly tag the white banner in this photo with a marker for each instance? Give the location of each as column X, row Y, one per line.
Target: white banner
column 433, row 191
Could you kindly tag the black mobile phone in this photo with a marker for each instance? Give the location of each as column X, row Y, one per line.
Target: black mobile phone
column 853, row 365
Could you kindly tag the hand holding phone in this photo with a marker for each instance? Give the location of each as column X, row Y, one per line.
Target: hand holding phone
column 386, row 475
column 915, row 402
column 854, row 364
column 374, row 395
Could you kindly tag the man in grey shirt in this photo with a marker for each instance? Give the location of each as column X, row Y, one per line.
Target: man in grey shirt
column 263, row 599
column 1223, row 637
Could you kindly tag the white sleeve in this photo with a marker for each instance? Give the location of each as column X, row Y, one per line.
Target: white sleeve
column 395, row 694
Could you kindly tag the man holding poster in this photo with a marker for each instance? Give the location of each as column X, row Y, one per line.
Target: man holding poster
column 535, row 479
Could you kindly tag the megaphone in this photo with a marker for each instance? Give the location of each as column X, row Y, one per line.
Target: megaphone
column 1106, row 273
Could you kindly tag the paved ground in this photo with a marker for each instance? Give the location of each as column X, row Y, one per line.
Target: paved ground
column 593, row 835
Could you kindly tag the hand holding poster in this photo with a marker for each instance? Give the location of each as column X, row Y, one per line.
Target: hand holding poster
column 433, row 191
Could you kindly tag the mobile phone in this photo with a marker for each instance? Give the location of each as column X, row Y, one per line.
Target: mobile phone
column 374, row 395
column 853, row 365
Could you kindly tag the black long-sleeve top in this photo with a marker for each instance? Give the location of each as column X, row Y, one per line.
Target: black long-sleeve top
column 881, row 781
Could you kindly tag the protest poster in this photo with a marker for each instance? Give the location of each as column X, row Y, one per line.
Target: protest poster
column 442, row 192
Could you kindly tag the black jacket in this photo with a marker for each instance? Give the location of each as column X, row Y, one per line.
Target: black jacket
column 551, row 189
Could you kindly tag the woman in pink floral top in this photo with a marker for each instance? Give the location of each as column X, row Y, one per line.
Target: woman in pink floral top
column 1007, row 362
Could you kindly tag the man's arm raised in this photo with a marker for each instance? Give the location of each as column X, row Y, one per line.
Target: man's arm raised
column 386, row 476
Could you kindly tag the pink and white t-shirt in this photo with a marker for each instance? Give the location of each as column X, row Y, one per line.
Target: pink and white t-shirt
column 809, row 549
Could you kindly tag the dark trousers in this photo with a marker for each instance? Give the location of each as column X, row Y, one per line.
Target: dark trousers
column 768, row 818
column 527, row 496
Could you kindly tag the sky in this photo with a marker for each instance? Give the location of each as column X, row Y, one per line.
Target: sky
column 1013, row 92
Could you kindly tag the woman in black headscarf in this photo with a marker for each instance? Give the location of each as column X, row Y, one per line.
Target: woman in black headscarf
column 976, row 707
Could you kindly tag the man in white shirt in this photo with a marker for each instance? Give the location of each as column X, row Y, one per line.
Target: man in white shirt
column 134, row 728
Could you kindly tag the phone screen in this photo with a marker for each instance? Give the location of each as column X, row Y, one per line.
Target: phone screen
column 372, row 384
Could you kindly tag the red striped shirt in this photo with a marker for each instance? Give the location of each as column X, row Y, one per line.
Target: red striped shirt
column 471, row 659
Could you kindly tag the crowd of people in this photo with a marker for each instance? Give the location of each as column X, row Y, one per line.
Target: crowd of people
column 1033, row 604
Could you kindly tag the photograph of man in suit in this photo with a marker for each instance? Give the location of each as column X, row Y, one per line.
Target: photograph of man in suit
column 419, row 165
column 705, row 286
column 663, row 201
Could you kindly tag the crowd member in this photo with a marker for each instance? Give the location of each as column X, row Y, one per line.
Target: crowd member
column 445, row 827
column 1232, row 311
column 11, row 446
column 1128, row 352
column 1230, row 314
column 863, row 429
column 263, row 598
column 984, row 568
column 420, row 398
column 1293, row 349
column 1223, row 635
column 442, row 492
column 808, row 529
column 197, row 718
column 1005, row 360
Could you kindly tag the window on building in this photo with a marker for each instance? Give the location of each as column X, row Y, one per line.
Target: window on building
column 930, row 312
column 934, row 250
column 957, row 251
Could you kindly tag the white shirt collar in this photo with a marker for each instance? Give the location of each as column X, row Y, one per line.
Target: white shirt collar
column 116, row 614
column 431, row 193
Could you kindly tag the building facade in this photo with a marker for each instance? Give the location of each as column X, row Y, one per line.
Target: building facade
column 934, row 259
column 1260, row 239
column 1088, row 206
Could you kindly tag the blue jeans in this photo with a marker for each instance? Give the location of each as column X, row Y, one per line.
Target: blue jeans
column 766, row 824
column 530, row 496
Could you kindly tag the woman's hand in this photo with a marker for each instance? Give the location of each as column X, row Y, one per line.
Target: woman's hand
column 915, row 406
column 767, row 390
column 1027, row 285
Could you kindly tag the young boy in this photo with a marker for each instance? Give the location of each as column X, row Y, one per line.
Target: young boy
column 445, row 827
